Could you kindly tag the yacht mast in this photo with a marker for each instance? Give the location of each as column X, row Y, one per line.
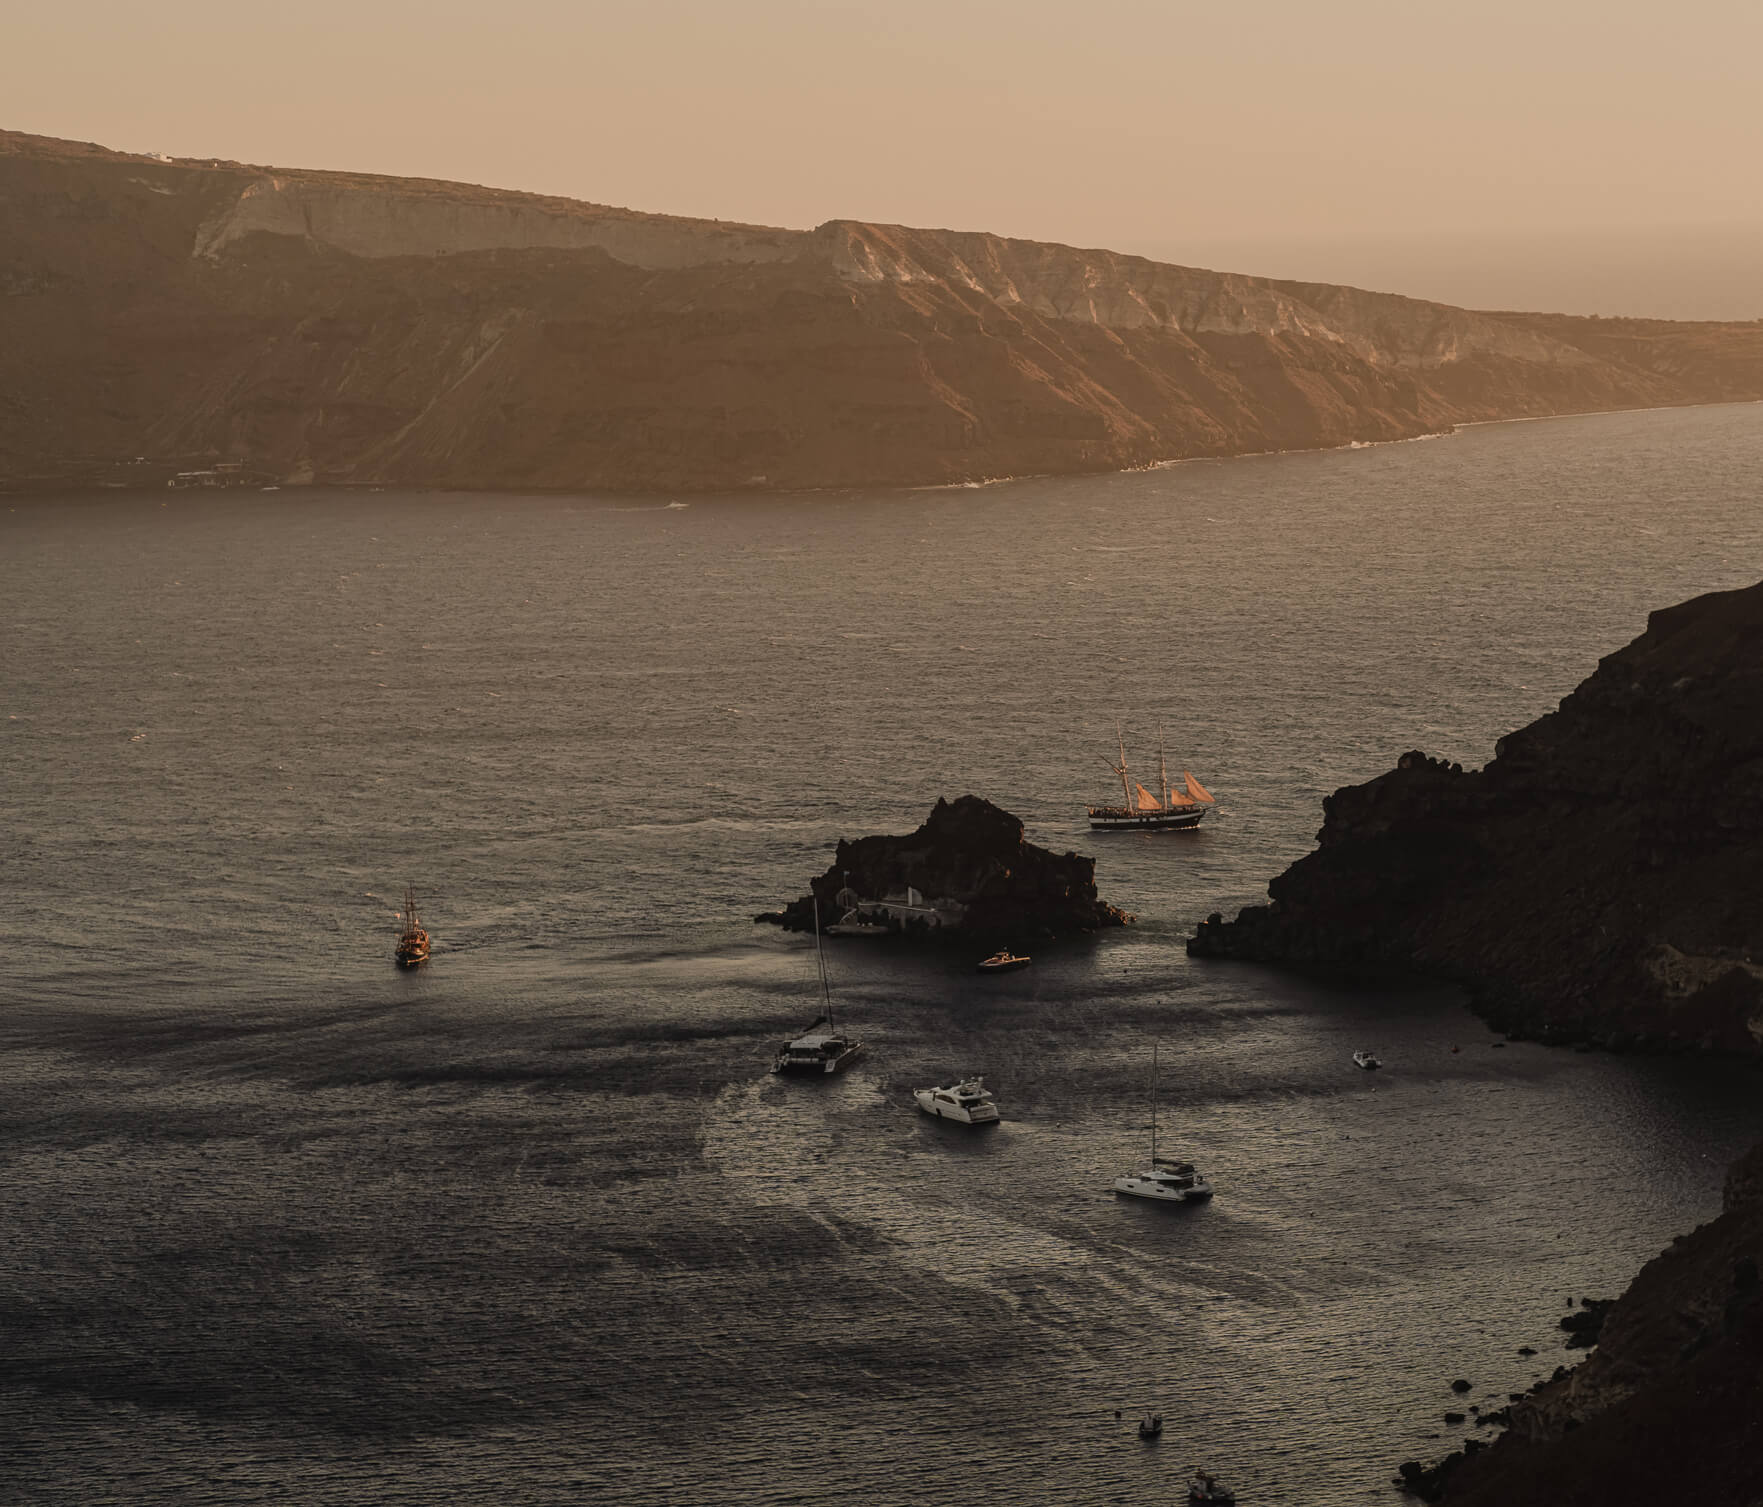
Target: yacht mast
column 1125, row 789
column 826, row 993
column 1162, row 768
column 1153, row 1104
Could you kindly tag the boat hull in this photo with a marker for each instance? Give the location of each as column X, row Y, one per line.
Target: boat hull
column 1117, row 819
column 1009, row 967
column 1136, row 1187
column 818, row 1067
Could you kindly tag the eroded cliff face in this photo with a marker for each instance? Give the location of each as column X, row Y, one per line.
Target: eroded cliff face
column 1598, row 880
column 348, row 329
column 1669, row 1407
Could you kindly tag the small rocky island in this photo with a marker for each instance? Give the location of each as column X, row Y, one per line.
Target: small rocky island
column 1598, row 881
column 966, row 872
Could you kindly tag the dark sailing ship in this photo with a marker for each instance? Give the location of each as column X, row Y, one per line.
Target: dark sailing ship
column 413, row 942
column 1174, row 808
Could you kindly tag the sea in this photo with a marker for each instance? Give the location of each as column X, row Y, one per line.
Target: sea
column 535, row 1224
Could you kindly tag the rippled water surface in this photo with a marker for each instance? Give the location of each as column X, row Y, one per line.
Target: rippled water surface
column 534, row 1225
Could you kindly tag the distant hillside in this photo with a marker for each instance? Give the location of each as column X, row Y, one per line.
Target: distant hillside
column 158, row 316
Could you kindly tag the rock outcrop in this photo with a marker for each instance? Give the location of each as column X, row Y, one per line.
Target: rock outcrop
column 158, row 316
column 1668, row 1408
column 1597, row 881
column 966, row 872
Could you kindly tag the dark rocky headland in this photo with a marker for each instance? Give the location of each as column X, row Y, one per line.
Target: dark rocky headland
column 967, row 873
column 1667, row 1408
column 1601, row 880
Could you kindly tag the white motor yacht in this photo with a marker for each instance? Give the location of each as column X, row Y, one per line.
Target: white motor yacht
column 1367, row 1060
column 1161, row 1179
column 966, row 1101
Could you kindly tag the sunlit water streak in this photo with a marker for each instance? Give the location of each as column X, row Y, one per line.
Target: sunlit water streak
column 535, row 1225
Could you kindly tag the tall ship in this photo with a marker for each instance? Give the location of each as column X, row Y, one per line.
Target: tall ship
column 822, row 1048
column 413, row 942
column 1174, row 808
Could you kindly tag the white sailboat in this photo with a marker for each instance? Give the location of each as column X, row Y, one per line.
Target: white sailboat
column 1174, row 808
column 822, row 1048
column 1161, row 1179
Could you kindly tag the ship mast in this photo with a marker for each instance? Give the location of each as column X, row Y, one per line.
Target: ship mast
column 1120, row 768
column 1162, row 768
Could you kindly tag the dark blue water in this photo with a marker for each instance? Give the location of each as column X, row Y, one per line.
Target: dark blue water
column 534, row 1225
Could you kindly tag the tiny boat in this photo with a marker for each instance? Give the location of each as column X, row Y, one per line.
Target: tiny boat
column 852, row 924
column 1150, row 1426
column 1160, row 1179
column 1205, row 1491
column 1004, row 962
column 1367, row 1060
column 966, row 1101
column 413, row 942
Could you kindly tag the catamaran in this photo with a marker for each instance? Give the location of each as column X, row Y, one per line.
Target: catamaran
column 822, row 1048
column 1174, row 808
column 413, row 941
column 1160, row 1178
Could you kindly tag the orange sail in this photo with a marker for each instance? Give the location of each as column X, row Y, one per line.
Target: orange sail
column 1197, row 791
column 1146, row 801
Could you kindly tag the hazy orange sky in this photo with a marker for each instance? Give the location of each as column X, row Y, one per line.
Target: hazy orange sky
column 1601, row 157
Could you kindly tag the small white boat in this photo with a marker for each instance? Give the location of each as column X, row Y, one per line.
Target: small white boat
column 1205, row 1491
column 1151, row 1426
column 1160, row 1179
column 966, row 1101
column 1366, row 1060
column 852, row 924
column 1005, row 962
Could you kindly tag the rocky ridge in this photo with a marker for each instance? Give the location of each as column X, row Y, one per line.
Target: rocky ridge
column 1597, row 881
column 970, row 855
column 1669, row 1407
column 349, row 329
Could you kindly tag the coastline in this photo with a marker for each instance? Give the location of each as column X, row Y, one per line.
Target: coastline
column 731, row 492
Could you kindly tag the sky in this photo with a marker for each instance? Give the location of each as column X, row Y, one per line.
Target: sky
column 1590, row 157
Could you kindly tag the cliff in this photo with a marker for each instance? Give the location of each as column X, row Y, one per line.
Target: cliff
column 973, row 874
column 330, row 327
column 1598, row 880
column 1668, row 1408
